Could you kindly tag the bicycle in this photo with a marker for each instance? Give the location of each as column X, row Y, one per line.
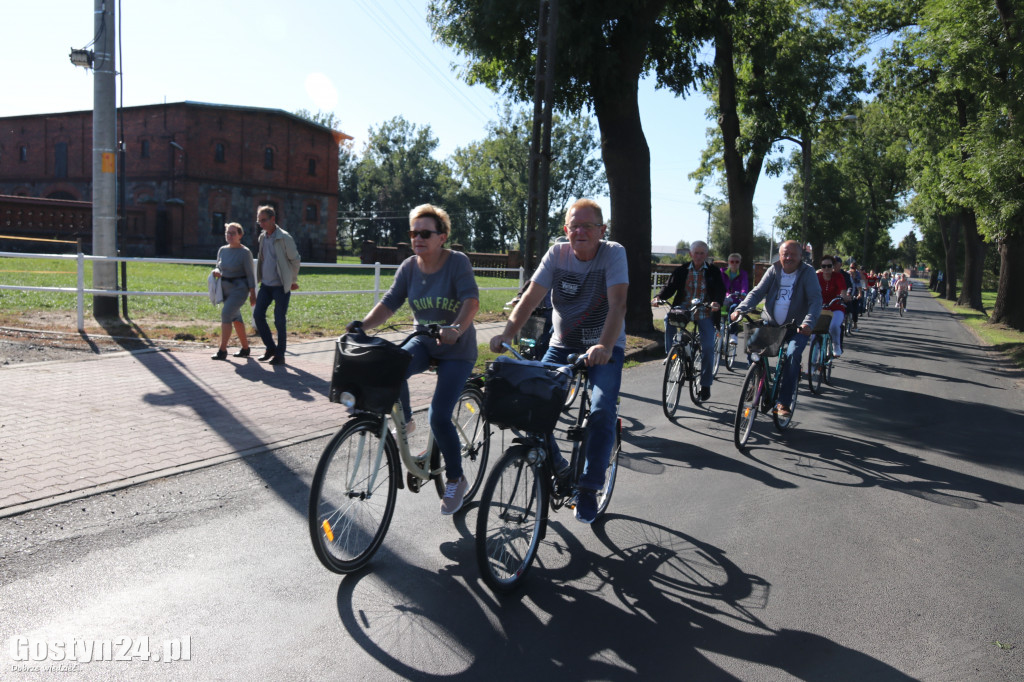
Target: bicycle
column 729, row 349
column 822, row 352
column 355, row 486
column 901, row 302
column 762, row 384
column 523, row 485
column 684, row 359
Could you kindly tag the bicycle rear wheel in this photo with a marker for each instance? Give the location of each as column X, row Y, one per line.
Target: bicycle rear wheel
column 672, row 384
column 509, row 521
column 693, row 368
column 782, row 423
column 352, row 498
column 604, row 495
column 474, row 441
column 718, row 352
column 574, row 390
column 828, row 355
column 750, row 402
column 815, row 365
column 730, row 355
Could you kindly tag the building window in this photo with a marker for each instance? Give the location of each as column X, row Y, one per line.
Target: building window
column 60, row 160
column 312, row 166
column 268, row 158
column 23, row 153
column 311, row 213
column 218, row 153
column 217, row 221
column 145, row 149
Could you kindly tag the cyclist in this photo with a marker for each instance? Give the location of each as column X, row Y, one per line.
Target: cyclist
column 737, row 284
column 791, row 292
column 883, row 287
column 588, row 279
column 833, row 286
column 702, row 280
column 440, row 287
column 902, row 286
column 856, row 292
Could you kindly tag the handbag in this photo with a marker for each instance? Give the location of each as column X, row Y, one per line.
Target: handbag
column 371, row 368
column 524, row 395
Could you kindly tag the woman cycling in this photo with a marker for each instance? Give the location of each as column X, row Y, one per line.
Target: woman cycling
column 737, row 284
column 440, row 287
column 833, row 286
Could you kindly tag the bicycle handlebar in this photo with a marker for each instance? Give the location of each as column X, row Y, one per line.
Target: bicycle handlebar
column 432, row 330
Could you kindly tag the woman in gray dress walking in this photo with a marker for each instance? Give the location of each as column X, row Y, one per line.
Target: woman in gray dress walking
column 238, row 277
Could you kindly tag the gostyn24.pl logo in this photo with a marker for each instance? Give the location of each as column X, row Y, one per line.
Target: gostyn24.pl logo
column 28, row 649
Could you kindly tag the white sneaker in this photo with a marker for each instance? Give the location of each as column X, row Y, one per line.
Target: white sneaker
column 453, row 495
column 838, row 354
column 410, row 428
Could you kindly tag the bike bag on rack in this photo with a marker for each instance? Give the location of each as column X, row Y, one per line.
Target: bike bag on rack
column 679, row 316
column 524, row 395
column 369, row 367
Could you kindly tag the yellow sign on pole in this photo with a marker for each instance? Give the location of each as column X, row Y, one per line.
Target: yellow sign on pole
column 107, row 165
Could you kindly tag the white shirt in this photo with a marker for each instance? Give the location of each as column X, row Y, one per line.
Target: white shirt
column 786, row 283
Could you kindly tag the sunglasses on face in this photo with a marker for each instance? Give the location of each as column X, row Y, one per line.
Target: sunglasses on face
column 422, row 234
column 826, row 266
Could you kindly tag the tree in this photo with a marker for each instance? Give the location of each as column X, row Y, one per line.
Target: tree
column 907, row 250
column 780, row 67
column 395, row 173
column 603, row 50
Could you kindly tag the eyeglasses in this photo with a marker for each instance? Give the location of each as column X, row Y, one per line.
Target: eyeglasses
column 734, row 262
column 422, row 234
column 584, row 226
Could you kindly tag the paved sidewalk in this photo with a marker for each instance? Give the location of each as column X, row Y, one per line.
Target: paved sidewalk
column 73, row 429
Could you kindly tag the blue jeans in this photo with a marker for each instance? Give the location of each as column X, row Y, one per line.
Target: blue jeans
column 279, row 297
column 604, row 382
column 707, row 347
column 451, row 379
column 794, row 357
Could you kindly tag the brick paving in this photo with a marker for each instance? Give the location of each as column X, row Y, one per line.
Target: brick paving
column 73, row 429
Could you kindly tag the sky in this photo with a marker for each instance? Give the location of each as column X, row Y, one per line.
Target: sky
column 366, row 61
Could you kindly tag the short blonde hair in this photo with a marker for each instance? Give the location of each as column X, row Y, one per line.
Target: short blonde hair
column 440, row 216
column 589, row 203
column 237, row 226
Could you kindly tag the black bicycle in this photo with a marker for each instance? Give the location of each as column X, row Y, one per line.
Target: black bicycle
column 761, row 387
column 684, row 358
column 524, row 485
column 355, row 486
column 822, row 351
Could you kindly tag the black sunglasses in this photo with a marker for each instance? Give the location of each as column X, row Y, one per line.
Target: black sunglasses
column 422, row 234
column 826, row 266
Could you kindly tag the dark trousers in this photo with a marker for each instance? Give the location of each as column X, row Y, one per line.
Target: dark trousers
column 279, row 297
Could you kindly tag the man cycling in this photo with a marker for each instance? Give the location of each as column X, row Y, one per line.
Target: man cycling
column 883, row 287
column 588, row 279
column 791, row 292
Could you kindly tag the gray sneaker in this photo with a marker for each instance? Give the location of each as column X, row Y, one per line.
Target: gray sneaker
column 453, row 494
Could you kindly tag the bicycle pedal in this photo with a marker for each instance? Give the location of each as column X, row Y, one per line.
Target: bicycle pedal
column 413, row 483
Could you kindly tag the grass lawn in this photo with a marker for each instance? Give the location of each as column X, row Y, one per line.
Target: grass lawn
column 1004, row 339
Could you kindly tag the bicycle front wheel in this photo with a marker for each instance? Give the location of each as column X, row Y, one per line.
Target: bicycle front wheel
column 828, row 356
column 672, row 384
column 509, row 519
column 749, row 404
column 474, row 441
column 730, row 356
column 604, row 495
column 574, row 390
column 815, row 365
column 352, row 498
column 718, row 352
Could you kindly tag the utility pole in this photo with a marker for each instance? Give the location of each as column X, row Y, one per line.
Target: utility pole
column 104, row 160
column 540, row 140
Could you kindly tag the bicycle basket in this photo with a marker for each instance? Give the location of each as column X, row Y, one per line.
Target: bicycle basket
column 823, row 322
column 527, row 396
column 762, row 339
column 369, row 367
column 678, row 316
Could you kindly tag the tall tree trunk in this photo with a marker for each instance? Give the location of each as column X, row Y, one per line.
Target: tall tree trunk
column 949, row 228
column 974, row 261
column 740, row 181
column 1009, row 307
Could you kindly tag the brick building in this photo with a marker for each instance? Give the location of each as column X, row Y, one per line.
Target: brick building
column 189, row 168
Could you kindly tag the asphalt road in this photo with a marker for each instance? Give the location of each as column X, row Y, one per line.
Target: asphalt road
column 879, row 539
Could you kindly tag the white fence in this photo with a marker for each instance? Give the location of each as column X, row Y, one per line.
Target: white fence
column 81, row 290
